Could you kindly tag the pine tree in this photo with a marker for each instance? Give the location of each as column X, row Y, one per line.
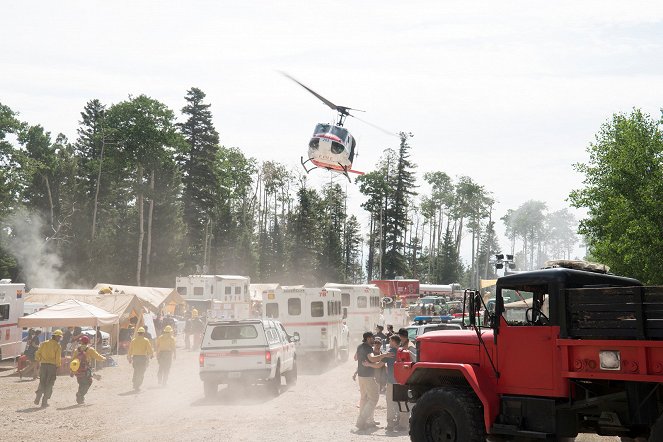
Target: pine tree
column 397, row 212
column 199, row 179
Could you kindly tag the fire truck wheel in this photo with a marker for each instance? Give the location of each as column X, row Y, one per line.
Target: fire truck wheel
column 210, row 389
column 291, row 376
column 451, row 414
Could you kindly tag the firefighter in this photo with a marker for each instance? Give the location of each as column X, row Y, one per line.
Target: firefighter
column 140, row 351
column 165, row 354
column 49, row 355
column 85, row 355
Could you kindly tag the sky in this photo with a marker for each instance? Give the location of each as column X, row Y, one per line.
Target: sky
column 508, row 93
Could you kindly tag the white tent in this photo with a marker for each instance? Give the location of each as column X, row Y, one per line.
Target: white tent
column 69, row 313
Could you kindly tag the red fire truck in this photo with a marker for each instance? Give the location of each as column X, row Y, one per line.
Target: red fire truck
column 592, row 364
column 404, row 290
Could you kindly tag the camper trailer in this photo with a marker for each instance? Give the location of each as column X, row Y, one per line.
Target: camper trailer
column 222, row 296
column 11, row 308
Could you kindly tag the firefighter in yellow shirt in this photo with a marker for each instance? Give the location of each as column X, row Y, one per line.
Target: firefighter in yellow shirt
column 49, row 355
column 140, row 351
column 85, row 355
column 165, row 354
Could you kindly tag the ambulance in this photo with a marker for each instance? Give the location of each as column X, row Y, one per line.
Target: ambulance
column 361, row 305
column 313, row 314
column 11, row 308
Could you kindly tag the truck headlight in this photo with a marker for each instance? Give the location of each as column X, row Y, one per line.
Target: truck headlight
column 610, row 360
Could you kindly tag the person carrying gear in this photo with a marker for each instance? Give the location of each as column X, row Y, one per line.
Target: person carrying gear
column 49, row 355
column 197, row 328
column 165, row 354
column 83, row 372
column 140, row 350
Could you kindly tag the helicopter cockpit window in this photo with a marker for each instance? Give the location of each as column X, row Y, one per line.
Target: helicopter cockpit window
column 321, row 129
column 337, row 147
column 340, row 132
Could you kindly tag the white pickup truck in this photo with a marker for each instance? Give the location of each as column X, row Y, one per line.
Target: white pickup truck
column 250, row 351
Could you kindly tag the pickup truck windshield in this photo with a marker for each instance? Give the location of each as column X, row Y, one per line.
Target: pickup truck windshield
column 233, row 332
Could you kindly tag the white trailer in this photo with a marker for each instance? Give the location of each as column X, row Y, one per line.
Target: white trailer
column 11, row 308
column 314, row 314
column 361, row 304
column 223, row 288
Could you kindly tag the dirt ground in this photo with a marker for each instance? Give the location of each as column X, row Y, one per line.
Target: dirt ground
column 321, row 407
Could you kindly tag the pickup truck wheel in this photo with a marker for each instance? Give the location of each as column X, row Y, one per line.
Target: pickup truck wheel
column 291, row 376
column 275, row 384
column 210, row 389
column 449, row 414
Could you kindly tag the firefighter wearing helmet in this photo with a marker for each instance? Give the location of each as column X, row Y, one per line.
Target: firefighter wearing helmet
column 49, row 356
column 165, row 354
column 84, row 354
column 140, row 352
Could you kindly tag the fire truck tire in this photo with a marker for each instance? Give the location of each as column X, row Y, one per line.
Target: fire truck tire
column 450, row 413
column 291, row 376
column 210, row 389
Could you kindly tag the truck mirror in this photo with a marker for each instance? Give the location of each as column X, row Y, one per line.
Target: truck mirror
column 472, row 308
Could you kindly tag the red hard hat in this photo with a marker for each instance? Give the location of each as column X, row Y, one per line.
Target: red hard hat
column 84, row 340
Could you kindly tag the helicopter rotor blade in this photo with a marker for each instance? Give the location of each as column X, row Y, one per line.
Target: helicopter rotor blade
column 374, row 126
column 320, row 97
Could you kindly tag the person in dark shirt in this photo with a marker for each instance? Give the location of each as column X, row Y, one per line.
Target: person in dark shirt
column 396, row 420
column 368, row 387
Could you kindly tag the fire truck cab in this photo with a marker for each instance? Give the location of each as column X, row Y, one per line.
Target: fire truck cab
column 592, row 364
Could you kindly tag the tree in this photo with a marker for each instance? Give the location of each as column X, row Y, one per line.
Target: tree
column 396, row 218
column 622, row 187
column 148, row 141
column 199, row 178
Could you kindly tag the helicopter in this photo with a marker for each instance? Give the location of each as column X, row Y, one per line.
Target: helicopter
column 331, row 147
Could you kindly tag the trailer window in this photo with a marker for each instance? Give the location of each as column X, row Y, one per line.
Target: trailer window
column 198, row 291
column 361, row 301
column 238, row 290
column 232, row 332
column 228, row 290
column 4, row 312
column 294, row 306
column 345, row 299
column 317, row 309
column 272, row 310
column 181, row 291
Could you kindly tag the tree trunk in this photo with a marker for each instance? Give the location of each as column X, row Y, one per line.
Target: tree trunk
column 150, row 214
column 141, row 228
column 50, row 201
column 96, row 190
column 371, row 248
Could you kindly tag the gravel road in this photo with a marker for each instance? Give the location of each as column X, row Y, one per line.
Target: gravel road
column 321, row 407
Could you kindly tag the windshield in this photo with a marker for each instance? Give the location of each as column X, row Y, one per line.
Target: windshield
column 340, row 133
column 321, row 129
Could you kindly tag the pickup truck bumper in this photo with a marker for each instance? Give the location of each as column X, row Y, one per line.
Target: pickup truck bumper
column 247, row 376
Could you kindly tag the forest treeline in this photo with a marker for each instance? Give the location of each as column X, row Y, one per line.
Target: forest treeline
column 144, row 194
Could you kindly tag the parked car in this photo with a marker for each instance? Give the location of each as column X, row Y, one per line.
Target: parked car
column 249, row 351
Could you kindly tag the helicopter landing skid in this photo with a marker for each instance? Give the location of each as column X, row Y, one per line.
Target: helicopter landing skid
column 341, row 169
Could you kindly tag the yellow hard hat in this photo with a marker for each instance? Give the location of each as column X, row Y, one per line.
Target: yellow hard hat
column 194, row 312
column 141, row 330
column 168, row 329
column 75, row 364
column 57, row 332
